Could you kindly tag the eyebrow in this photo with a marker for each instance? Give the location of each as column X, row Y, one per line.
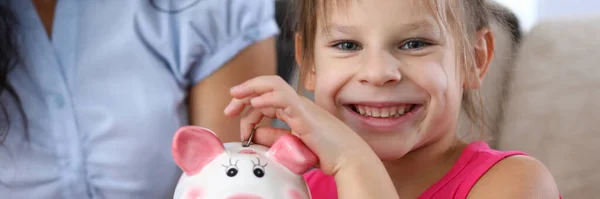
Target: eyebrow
column 338, row 28
column 420, row 25
column 348, row 29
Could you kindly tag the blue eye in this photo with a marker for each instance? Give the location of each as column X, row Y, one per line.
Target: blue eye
column 414, row 45
column 350, row 46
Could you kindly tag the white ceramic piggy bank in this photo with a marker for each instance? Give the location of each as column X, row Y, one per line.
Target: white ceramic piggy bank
column 213, row 170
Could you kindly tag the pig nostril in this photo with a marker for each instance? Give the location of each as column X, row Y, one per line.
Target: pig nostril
column 247, row 151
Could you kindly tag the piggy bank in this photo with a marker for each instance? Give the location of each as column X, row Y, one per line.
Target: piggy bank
column 213, row 170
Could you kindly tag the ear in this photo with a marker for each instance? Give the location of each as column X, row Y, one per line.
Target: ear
column 484, row 51
column 291, row 152
column 194, row 147
column 309, row 81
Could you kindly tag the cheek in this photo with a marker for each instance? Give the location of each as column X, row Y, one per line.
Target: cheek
column 331, row 76
column 293, row 194
column 194, row 193
column 440, row 79
column 437, row 75
column 431, row 77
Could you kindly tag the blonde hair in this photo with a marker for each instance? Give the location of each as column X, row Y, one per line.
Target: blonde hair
column 460, row 20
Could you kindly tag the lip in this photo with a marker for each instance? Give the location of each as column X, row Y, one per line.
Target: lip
column 384, row 124
column 379, row 104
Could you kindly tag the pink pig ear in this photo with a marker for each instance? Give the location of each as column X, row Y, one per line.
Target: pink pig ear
column 291, row 152
column 194, row 147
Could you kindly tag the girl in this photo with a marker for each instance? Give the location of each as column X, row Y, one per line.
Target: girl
column 389, row 77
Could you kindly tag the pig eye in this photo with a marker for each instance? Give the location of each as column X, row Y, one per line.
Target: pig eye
column 231, row 170
column 259, row 170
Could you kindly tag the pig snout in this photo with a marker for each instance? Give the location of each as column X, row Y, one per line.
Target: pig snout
column 244, row 196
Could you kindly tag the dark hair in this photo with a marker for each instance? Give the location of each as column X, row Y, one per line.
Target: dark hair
column 9, row 57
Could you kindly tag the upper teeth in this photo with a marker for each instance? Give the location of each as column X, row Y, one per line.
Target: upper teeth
column 394, row 111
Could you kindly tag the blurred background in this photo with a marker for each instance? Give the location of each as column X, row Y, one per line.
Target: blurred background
column 531, row 11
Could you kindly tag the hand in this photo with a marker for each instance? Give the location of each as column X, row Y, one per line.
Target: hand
column 330, row 139
column 342, row 153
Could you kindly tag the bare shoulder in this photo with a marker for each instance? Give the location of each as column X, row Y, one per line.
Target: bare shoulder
column 516, row 177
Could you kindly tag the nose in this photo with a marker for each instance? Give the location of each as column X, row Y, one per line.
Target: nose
column 380, row 69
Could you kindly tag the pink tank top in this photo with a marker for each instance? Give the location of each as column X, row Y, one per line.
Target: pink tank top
column 473, row 163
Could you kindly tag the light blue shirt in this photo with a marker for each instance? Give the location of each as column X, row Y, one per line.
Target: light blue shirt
column 103, row 98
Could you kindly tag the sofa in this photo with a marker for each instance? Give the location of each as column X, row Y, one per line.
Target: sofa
column 552, row 109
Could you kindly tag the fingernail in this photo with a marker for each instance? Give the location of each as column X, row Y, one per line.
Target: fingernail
column 234, row 89
column 228, row 109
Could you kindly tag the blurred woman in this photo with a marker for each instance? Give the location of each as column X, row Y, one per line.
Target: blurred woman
column 105, row 84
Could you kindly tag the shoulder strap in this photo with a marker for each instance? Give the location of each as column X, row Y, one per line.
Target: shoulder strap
column 468, row 183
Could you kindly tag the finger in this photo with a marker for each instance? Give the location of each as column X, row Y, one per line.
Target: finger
column 268, row 135
column 272, row 99
column 252, row 118
column 282, row 115
column 258, row 86
column 284, row 104
column 249, row 121
column 236, row 106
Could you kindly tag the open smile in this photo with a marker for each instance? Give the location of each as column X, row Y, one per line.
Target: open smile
column 384, row 116
column 383, row 112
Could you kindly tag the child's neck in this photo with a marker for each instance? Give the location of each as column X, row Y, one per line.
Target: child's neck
column 421, row 168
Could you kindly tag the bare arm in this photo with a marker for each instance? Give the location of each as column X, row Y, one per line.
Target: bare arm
column 366, row 178
column 209, row 97
column 517, row 177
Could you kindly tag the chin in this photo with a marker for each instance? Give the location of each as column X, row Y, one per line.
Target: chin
column 392, row 145
column 388, row 150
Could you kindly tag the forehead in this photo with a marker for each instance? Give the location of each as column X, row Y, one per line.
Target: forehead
column 346, row 15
